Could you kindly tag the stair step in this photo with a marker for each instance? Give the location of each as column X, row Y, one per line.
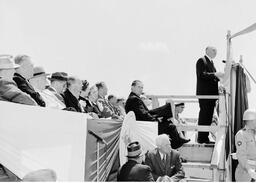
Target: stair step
column 197, row 152
column 197, row 165
column 198, row 170
column 190, row 179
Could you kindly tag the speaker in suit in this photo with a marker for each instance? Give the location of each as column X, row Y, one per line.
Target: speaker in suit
column 207, row 84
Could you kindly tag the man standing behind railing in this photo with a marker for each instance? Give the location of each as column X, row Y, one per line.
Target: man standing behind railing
column 207, row 84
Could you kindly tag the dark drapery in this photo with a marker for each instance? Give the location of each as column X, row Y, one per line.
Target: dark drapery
column 109, row 158
column 241, row 104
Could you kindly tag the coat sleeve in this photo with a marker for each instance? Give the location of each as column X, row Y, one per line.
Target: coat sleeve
column 180, row 174
column 202, row 73
column 106, row 112
column 17, row 96
column 241, row 150
column 140, row 111
column 25, row 88
column 148, row 161
column 148, row 177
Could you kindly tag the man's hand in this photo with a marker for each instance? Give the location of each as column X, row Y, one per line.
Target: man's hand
column 252, row 173
column 219, row 75
column 94, row 115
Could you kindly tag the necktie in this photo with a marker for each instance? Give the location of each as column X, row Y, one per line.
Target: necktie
column 164, row 158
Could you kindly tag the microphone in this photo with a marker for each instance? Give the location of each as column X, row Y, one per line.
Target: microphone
column 97, row 137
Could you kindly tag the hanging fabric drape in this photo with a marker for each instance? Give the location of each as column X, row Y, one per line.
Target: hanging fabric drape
column 240, row 105
column 108, row 154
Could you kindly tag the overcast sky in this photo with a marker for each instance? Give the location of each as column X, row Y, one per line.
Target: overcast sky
column 117, row 41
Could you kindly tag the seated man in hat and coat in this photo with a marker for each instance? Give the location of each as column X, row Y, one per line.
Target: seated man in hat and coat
column 133, row 170
column 9, row 90
column 39, row 81
column 164, row 162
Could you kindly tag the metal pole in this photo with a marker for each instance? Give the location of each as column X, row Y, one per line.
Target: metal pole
column 230, row 102
column 98, row 161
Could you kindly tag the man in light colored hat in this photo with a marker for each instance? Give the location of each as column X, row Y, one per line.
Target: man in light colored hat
column 133, row 170
column 8, row 88
column 245, row 142
column 23, row 74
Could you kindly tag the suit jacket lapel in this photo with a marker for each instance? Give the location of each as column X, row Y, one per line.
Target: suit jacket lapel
column 210, row 65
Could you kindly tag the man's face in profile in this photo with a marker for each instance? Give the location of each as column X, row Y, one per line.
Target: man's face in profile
column 138, row 88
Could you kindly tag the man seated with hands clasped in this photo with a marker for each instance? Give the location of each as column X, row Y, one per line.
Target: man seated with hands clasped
column 164, row 161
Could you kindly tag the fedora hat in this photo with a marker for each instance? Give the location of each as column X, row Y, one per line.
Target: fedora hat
column 39, row 71
column 62, row 76
column 6, row 62
column 134, row 150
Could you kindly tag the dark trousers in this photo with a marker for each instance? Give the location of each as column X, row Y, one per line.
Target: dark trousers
column 170, row 129
column 165, row 126
column 205, row 117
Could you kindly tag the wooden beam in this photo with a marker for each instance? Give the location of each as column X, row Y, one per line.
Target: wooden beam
column 185, row 96
column 201, row 128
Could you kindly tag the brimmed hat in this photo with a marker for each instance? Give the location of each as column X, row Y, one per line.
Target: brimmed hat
column 62, row 76
column 6, row 62
column 134, row 150
column 39, row 71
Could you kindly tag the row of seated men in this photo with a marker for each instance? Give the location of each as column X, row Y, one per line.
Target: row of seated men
column 21, row 82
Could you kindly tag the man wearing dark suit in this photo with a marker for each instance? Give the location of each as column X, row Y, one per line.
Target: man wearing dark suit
column 23, row 73
column 133, row 170
column 207, row 84
column 164, row 162
column 142, row 113
column 71, row 95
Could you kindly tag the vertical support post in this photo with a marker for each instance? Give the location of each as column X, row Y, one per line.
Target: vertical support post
column 230, row 107
column 98, row 161
column 155, row 102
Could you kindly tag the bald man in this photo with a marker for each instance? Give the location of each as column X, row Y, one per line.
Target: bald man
column 165, row 162
column 207, row 84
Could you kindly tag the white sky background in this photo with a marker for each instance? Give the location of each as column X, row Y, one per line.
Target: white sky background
column 117, row 41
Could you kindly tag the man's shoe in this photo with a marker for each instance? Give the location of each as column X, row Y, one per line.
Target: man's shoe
column 183, row 140
column 206, row 142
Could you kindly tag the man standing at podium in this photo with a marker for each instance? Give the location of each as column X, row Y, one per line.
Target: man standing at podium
column 207, row 84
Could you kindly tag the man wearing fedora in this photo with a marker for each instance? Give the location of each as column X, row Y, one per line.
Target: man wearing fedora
column 23, row 74
column 39, row 82
column 58, row 84
column 133, row 170
column 164, row 162
column 8, row 88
